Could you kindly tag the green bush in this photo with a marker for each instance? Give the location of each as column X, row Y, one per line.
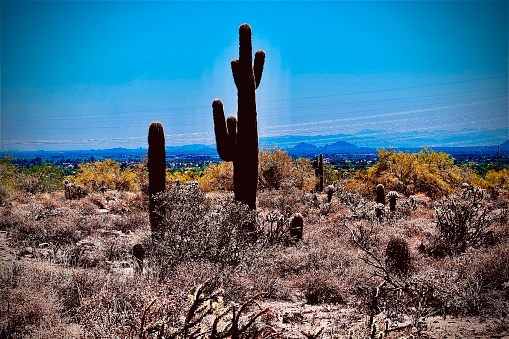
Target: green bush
column 427, row 171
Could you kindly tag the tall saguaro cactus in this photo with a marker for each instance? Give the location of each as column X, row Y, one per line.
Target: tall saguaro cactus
column 156, row 172
column 237, row 137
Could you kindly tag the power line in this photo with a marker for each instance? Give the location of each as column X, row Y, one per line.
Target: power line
column 208, row 107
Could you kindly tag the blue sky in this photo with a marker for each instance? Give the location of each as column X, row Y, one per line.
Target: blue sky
column 81, row 75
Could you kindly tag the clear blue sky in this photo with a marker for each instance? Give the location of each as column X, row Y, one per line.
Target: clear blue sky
column 95, row 74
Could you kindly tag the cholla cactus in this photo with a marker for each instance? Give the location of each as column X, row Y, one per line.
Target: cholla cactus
column 397, row 256
column 463, row 220
column 237, row 138
column 296, row 226
column 393, row 196
column 380, row 194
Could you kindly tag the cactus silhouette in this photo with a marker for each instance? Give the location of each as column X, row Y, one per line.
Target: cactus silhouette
column 330, row 191
column 318, row 166
column 138, row 254
column 380, row 194
column 397, row 256
column 296, row 226
column 156, row 172
column 237, row 137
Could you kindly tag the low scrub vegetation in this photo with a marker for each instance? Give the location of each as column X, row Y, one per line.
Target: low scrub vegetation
column 304, row 264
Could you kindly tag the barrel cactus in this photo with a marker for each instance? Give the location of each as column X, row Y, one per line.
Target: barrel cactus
column 397, row 256
column 138, row 253
column 392, row 196
column 296, row 226
column 237, row 137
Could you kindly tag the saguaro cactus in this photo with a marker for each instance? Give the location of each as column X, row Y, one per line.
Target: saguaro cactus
column 237, row 137
column 156, row 172
column 318, row 166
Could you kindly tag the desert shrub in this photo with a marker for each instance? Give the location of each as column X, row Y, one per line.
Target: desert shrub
column 274, row 168
column 218, row 177
column 426, row 171
column 40, row 178
column 462, row 220
column 36, row 223
column 184, row 175
column 471, row 284
column 288, row 200
column 124, row 301
column 360, row 209
column 30, row 306
column 132, row 221
column 107, row 174
column 74, row 191
column 498, row 178
column 303, row 174
column 208, row 316
column 8, row 173
column 28, row 314
column 321, row 286
column 277, row 170
column 193, row 229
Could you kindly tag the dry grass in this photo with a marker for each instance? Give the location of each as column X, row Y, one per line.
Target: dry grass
column 67, row 271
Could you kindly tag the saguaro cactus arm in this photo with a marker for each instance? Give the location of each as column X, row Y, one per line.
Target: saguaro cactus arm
column 258, row 66
column 226, row 132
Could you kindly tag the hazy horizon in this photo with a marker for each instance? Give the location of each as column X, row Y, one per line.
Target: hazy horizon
column 93, row 75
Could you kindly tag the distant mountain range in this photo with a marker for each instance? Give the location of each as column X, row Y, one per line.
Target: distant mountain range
column 363, row 142
column 302, row 149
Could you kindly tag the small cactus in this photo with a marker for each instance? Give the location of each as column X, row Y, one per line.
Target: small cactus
column 397, row 256
column 296, row 226
column 330, row 191
column 138, row 256
column 393, row 196
column 380, row 194
column 156, row 172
